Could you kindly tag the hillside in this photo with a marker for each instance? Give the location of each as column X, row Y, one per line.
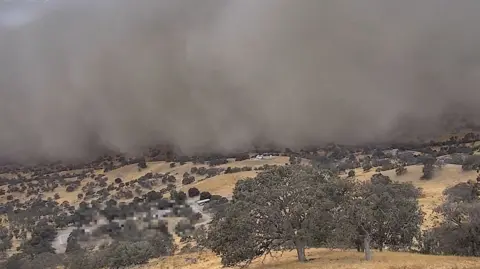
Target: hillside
column 147, row 191
column 325, row 259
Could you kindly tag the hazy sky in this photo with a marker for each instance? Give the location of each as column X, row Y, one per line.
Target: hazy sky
column 219, row 74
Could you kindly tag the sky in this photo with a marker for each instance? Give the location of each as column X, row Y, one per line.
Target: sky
column 218, row 75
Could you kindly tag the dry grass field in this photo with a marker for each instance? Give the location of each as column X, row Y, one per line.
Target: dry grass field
column 325, row 259
column 448, row 176
column 223, row 185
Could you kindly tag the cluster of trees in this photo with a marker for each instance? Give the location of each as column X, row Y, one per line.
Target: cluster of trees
column 458, row 231
column 130, row 247
column 296, row 207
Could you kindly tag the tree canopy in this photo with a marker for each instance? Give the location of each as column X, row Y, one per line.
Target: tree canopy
column 296, row 207
column 282, row 209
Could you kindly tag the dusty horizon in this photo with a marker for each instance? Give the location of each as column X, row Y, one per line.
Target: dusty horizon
column 220, row 74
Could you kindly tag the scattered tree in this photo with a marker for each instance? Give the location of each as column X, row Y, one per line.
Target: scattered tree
column 382, row 213
column 299, row 198
column 192, row 192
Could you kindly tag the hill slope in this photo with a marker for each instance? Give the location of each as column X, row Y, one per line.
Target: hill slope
column 325, row 259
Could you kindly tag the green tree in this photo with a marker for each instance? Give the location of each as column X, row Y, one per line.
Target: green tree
column 458, row 231
column 5, row 239
column 284, row 208
column 382, row 213
column 41, row 240
column 130, row 253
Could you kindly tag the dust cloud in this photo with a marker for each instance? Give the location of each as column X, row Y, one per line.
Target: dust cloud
column 219, row 74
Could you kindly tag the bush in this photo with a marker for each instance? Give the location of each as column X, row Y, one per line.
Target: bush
column 351, row 173
column 242, row 156
column 194, row 170
column 118, row 180
column 401, row 170
column 130, row 253
column 427, row 170
column 184, row 228
column 142, row 164
column 367, row 167
column 202, row 171
column 180, row 197
column 188, row 180
column 218, row 162
column 472, row 163
column 43, row 260
column 192, row 192
column 172, row 165
column 211, row 172
column 162, row 244
column 205, row 195
column 163, row 204
column 71, row 188
column 5, row 239
column 153, row 196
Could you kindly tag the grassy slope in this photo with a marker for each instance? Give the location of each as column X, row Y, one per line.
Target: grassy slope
column 323, row 259
column 224, row 184
column 326, row 259
column 221, row 184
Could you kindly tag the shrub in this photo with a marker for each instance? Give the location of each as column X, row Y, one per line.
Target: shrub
column 118, row 180
column 184, row 228
column 351, row 173
column 192, row 192
column 427, row 170
column 202, row 171
column 401, row 170
column 153, row 196
column 367, row 167
column 128, row 254
column 188, row 180
column 43, row 260
column 142, row 164
column 194, row 170
column 472, row 163
column 211, row 172
column 242, row 156
column 218, row 162
column 172, row 165
column 180, row 197
column 205, row 195
column 71, row 188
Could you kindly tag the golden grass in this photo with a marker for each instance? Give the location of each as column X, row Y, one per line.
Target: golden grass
column 221, row 184
column 433, row 189
column 325, row 259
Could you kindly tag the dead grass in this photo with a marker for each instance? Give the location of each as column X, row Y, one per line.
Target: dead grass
column 433, row 189
column 325, row 259
column 221, row 184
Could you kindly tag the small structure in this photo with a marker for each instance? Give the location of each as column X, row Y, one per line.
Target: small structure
column 202, row 202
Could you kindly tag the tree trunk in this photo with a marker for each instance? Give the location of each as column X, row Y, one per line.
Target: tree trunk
column 359, row 244
column 300, row 245
column 380, row 247
column 366, row 246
